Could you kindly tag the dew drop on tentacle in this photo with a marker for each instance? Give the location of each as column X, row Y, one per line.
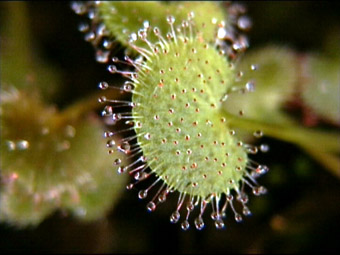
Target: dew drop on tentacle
column 140, row 176
column 199, row 223
column 103, row 85
column 259, row 190
column 101, row 29
column 110, row 143
column 121, row 169
column 116, row 116
column 102, row 99
column 250, row 86
column 185, row 225
column 117, row 161
column 151, row 206
column 11, row 146
column 83, row 27
column 244, row 23
column 238, row 217
column 261, row 169
column 219, row 224
column 22, row 145
column 124, row 147
column 127, row 87
column 107, row 44
column 258, row 134
column 264, row 148
column 90, row 36
column 102, row 56
column 243, row 198
column 214, row 216
column 175, row 216
column 251, row 149
column 129, row 186
column 253, row 67
column 162, row 196
column 107, row 111
column 246, row 211
column 112, row 69
column 79, row 8
column 142, row 194
column 108, row 134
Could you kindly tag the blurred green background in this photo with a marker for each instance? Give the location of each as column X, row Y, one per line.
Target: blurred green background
column 301, row 211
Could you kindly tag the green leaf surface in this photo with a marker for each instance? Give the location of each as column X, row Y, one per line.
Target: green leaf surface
column 125, row 17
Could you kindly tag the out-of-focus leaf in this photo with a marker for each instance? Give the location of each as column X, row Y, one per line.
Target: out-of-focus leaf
column 49, row 164
column 274, row 79
column 321, row 89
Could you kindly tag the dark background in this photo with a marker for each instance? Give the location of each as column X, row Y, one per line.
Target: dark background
column 300, row 213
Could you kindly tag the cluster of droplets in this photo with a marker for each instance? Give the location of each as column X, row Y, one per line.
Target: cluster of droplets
column 95, row 32
column 62, row 145
column 141, row 168
column 219, row 203
column 230, row 37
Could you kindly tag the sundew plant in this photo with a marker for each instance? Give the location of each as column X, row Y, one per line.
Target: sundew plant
column 172, row 103
column 183, row 72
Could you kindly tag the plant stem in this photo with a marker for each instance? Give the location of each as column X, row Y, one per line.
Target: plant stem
column 306, row 138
